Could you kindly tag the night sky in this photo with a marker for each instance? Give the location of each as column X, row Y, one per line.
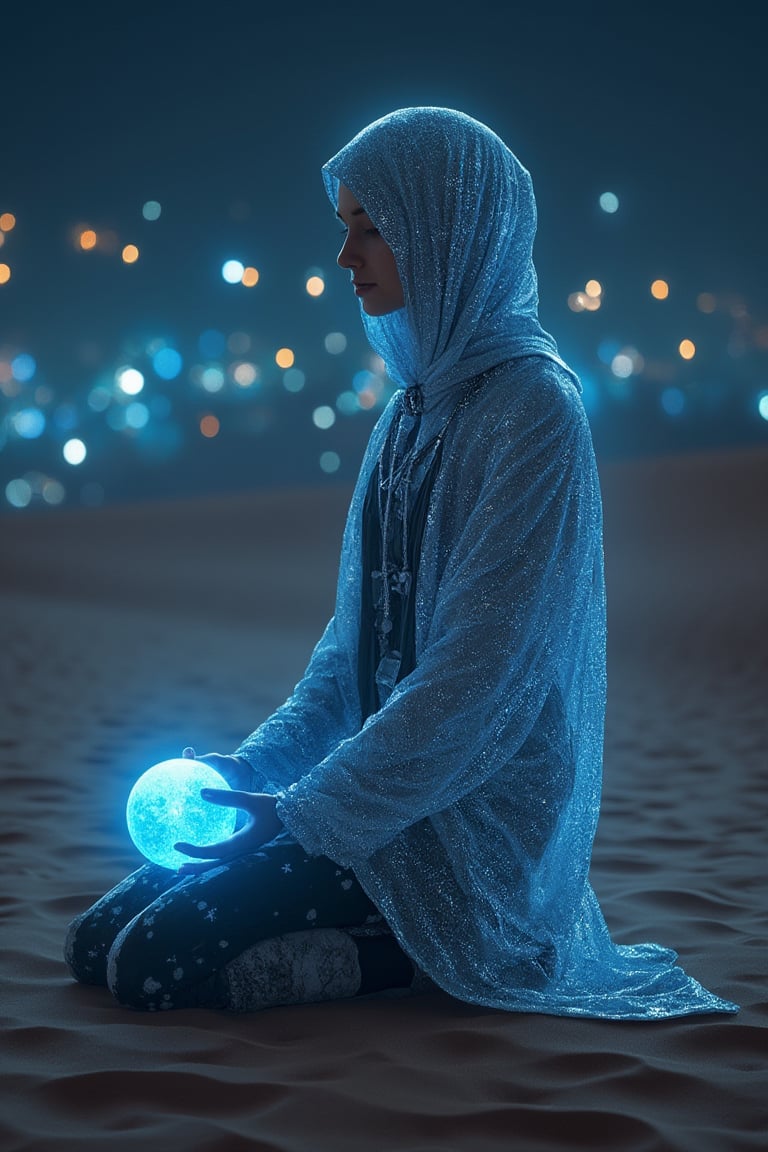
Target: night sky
column 223, row 114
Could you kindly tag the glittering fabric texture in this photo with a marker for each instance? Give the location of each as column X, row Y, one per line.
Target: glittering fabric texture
column 467, row 804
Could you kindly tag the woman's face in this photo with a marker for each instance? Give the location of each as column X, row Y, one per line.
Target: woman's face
column 369, row 258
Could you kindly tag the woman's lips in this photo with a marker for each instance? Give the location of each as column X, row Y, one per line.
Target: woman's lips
column 361, row 289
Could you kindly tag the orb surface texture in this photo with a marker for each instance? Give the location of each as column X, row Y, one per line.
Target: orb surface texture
column 165, row 806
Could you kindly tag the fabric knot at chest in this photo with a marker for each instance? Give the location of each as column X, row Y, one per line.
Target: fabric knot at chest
column 413, row 400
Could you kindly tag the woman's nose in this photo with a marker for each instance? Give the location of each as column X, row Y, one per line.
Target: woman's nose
column 347, row 257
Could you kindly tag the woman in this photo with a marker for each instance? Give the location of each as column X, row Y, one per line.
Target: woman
column 426, row 800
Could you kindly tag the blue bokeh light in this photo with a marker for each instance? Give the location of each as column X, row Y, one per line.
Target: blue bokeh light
column 23, row 367
column 167, row 363
column 28, row 423
column 165, row 806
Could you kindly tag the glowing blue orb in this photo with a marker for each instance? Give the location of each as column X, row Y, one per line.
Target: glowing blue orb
column 165, row 806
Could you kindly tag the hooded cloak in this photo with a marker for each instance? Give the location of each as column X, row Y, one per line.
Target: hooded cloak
column 467, row 802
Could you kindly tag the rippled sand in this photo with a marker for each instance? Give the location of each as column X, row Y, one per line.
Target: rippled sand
column 128, row 633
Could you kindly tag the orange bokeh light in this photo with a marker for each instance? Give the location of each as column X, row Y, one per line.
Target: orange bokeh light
column 5, row 273
column 209, row 426
column 130, row 254
column 315, row 286
column 284, row 358
column 687, row 349
column 7, row 222
column 659, row 289
column 87, row 239
column 250, row 277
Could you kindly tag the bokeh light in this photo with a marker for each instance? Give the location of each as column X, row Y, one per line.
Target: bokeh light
column 687, row 349
column 284, row 357
column 593, row 289
column 762, row 405
column 659, row 289
column 7, row 222
column 209, row 426
column 130, row 254
column 673, row 401
column 5, row 273
column 212, row 378
column 87, row 239
column 330, row 462
column 609, row 202
column 250, row 277
column 167, row 363
column 136, row 415
column 232, row 271
column 315, row 286
column 74, row 451
column 706, row 302
column 23, row 367
column 245, row 374
column 28, row 423
column 18, row 493
column 324, row 417
column 151, row 210
column 294, row 380
column 129, row 380
column 335, row 343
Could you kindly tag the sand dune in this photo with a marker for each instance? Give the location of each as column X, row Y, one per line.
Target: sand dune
column 130, row 632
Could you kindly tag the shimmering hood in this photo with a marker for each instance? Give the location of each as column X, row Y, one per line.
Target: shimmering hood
column 457, row 209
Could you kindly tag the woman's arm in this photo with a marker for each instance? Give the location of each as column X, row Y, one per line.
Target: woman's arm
column 520, row 572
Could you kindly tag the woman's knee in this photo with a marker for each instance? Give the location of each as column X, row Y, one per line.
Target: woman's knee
column 85, row 952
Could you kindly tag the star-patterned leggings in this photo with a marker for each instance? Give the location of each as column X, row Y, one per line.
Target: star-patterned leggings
column 156, row 938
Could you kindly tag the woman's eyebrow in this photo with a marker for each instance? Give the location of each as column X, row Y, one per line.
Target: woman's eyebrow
column 354, row 212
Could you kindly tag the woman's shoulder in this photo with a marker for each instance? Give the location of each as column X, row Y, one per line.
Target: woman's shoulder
column 532, row 391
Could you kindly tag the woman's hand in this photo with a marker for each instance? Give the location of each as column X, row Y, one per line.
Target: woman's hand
column 235, row 769
column 262, row 824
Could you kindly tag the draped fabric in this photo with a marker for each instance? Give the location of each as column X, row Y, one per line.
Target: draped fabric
column 467, row 802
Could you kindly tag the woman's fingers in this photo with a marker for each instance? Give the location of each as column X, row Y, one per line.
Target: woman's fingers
column 228, row 797
column 221, row 850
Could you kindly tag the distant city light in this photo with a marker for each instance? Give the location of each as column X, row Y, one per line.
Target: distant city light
column 53, row 492
column 18, row 493
column 129, row 380
column 315, row 286
column 23, row 367
column 28, row 423
column 660, row 290
column 167, row 363
column 74, row 451
column 130, row 254
column 762, row 405
column 209, row 426
column 330, row 462
column 706, row 302
column 5, row 273
column 87, row 239
column 232, row 271
column 239, row 343
column 347, row 403
column 250, row 277
column 212, row 378
column 99, row 398
column 7, row 222
column 284, row 358
column 335, row 343
column 323, row 417
column 687, row 349
column 609, row 202
column 212, row 344
column 245, row 374
column 672, row 401
column 151, row 210
column 294, row 380
column 137, row 415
